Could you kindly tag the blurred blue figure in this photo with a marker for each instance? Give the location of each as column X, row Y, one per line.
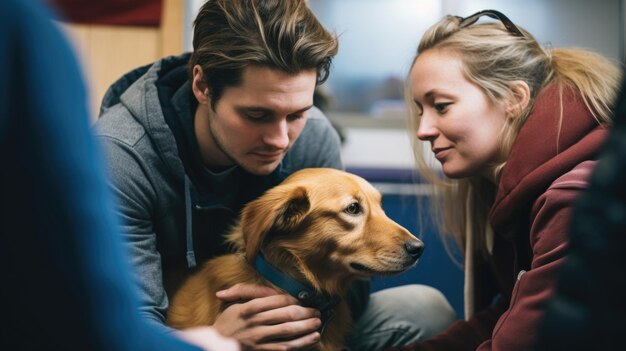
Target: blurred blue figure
column 65, row 282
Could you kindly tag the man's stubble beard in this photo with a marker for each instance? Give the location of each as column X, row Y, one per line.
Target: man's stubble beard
column 221, row 147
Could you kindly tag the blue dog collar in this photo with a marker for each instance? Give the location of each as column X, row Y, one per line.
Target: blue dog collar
column 303, row 292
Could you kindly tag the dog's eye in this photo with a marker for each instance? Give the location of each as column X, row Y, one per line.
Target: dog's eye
column 353, row 209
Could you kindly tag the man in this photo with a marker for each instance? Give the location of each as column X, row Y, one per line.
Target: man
column 191, row 139
column 65, row 281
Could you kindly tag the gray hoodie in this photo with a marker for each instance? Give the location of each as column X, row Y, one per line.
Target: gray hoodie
column 174, row 211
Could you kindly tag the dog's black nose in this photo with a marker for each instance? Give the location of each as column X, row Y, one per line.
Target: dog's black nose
column 415, row 248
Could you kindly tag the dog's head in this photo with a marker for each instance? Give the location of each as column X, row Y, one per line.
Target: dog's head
column 325, row 224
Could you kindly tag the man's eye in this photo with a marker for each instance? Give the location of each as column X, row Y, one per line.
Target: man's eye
column 295, row 116
column 256, row 116
column 353, row 209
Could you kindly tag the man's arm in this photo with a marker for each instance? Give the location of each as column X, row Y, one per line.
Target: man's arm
column 136, row 200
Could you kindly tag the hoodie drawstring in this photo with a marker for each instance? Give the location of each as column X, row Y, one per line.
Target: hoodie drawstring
column 191, row 255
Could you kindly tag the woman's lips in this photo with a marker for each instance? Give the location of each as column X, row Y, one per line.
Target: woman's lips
column 441, row 153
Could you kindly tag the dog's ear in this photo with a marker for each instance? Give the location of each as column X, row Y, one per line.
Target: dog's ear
column 278, row 210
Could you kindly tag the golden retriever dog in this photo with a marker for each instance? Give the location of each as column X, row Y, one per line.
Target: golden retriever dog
column 321, row 228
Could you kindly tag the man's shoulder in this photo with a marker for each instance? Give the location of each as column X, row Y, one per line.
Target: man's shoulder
column 118, row 124
column 317, row 124
column 318, row 145
column 316, row 114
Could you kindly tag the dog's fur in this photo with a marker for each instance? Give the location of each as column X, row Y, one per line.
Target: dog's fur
column 320, row 226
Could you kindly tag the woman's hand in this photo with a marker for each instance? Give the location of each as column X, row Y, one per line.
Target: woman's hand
column 261, row 318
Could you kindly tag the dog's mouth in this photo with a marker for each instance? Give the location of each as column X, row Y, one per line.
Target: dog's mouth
column 361, row 268
column 369, row 270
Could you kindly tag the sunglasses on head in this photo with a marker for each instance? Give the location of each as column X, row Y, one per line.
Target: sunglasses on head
column 508, row 24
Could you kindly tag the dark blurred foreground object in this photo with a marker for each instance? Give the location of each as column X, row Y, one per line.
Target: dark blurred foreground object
column 588, row 311
column 65, row 281
column 111, row 12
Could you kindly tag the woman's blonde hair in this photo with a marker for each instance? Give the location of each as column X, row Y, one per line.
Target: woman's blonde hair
column 493, row 58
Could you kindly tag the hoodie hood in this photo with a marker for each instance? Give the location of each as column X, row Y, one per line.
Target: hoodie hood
column 546, row 148
column 146, row 93
column 138, row 91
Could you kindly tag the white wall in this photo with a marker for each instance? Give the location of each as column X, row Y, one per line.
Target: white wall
column 591, row 24
column 377, row 148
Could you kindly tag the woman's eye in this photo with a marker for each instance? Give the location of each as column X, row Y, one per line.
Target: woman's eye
column 353, row 209
column 442, row 107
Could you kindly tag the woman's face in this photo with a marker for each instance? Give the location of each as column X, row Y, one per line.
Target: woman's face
column 458, row 119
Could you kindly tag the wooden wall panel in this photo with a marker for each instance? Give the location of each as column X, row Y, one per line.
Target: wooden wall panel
column 172, row 26
column 107, row 52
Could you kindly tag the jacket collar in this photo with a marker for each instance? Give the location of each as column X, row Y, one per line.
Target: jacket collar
column 549, row 144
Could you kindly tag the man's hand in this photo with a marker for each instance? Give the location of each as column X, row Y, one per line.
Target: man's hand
column 208, row 339
column 263, row 319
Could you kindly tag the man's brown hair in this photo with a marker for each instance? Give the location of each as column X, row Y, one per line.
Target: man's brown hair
column 230, row 35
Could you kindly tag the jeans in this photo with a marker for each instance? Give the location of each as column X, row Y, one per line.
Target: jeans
column 400, row 316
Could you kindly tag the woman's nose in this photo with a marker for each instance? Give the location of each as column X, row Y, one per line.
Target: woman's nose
column 426, row 130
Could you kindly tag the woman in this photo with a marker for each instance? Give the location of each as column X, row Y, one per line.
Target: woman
column 516, row 128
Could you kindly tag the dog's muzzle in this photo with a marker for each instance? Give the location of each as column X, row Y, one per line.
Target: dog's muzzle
column 414, row 248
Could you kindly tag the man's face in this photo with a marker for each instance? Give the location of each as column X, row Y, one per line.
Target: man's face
column 256, row 122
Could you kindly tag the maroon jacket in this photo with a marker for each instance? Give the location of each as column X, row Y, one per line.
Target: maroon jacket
column 547, row 168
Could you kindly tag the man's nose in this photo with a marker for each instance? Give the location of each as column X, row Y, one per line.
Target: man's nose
column 277, row 135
